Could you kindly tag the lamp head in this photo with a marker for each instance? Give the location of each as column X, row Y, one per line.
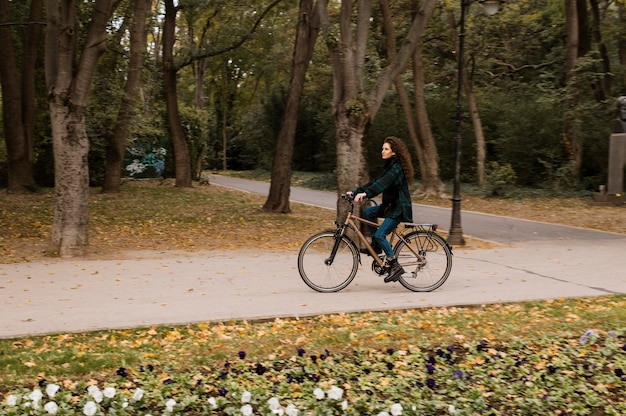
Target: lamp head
column 491, row 7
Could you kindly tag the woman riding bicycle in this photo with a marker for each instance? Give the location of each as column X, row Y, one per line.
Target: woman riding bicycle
column 396, row 205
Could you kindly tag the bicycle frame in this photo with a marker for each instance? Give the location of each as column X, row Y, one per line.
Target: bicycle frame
column 351, row 222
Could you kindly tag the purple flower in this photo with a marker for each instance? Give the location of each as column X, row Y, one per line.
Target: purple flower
column 301, row 352
column 585, row 337
column 390, row 351
column 619, row 372
column 168, row 381
column 458, row 374
column 122, row 372
column 242, row 354
column 430, row 369
column 431, row 383
column 222, row 391
column 389, row 366
column 260, row 369
column 314, row 358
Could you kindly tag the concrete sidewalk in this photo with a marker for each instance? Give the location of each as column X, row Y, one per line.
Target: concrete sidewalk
column 150, row 288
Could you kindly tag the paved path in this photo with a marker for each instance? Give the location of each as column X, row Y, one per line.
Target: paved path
column 535, row 261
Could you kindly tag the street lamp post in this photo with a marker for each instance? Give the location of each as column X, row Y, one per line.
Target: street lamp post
column 455, row 236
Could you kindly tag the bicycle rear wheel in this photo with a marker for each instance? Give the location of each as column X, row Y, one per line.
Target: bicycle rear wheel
column 322, row 273
column 432, row 272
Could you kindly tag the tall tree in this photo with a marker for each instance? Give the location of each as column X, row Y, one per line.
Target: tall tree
column 353, row 107
column 68, row 83
column 417, row 119
column 306, row 35
column 121, row 133
column 170, row 89
column 571, row 111
column 18, row 96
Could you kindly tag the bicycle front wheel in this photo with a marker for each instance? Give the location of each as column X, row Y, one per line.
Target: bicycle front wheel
column 323, row 272
column 429, row 270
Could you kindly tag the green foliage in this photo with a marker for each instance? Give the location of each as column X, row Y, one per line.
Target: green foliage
column 515, row 60
column 499, row 178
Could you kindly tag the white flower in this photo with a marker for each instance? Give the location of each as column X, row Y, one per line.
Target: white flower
column 319, row 393
column 291, row 410
column 335, row 393
column 246, row 396
column 383, row 414
column 109, row 392
column 98, row 396
column 169, row 405
column 344, row 405
column 273, row 403
column 52, row 389
column 246, row 410
column 90, row 408
column 452, row 410
column 396, row 409
column 138, row 394
column 51, row 407
column 213, row 402
column 36, row 395
column 95, row 392
column 11, row 400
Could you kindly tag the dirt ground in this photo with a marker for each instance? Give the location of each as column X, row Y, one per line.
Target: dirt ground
column 24, row 235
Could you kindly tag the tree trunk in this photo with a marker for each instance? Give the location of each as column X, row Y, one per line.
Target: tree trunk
column 18, row 130
column 117, row 146
column 424, row 143
column 603, row 88
column 431, row 183
column 308, row 29
column 181, row 150
column 571, row 119
column 32, row 42
column 621, row 35
column 68, row 90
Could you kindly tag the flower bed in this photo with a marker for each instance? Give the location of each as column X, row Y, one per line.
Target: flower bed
column 582, row 376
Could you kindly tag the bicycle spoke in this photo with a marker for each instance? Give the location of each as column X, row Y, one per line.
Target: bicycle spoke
column 323, row 272
column 430, row 268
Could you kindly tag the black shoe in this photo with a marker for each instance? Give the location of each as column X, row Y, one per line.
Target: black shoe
column 395, row 272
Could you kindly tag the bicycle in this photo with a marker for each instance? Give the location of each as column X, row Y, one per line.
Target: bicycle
column 328, row 261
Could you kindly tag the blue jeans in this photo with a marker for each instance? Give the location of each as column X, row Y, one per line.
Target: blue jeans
column 380, row 235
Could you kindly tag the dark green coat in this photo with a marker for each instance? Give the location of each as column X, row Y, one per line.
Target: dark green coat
column 395, row 189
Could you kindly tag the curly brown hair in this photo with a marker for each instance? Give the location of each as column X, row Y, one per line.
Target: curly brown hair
column 403, row 155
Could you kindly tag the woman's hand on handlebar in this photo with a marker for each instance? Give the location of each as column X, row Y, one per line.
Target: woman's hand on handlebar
column 360, row 197
column 357, row 197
